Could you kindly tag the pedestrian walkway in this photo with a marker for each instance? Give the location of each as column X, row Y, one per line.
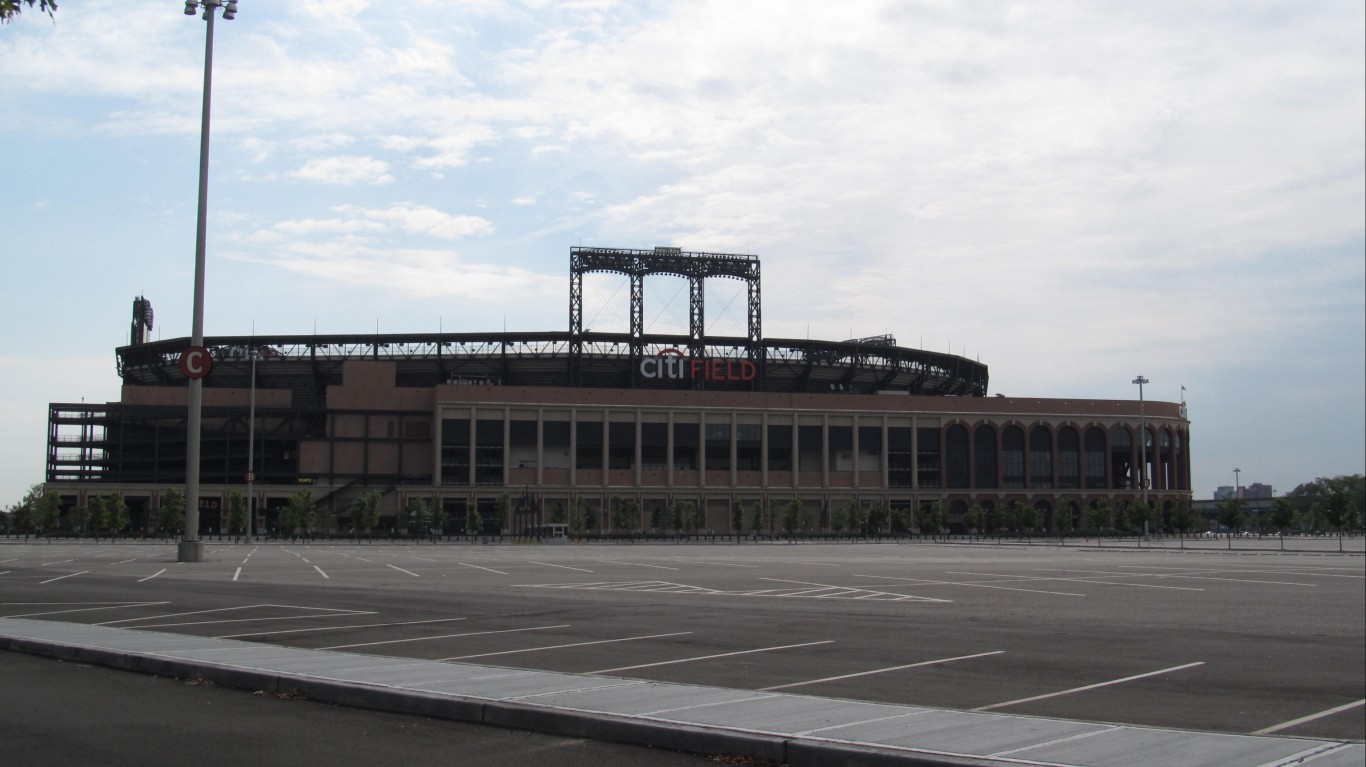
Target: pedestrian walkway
column 798, row 730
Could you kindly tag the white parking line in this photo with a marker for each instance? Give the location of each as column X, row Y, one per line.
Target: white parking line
column 337, row 628
column 551, row 564
column 709, row 657
column 58, row 562
column 477, row 567
column 1088, row 687
column 928, row 582
column 102, row 606
column 1310, row 718
column 159, row 572
column 825, row 586
column 401, row 570
column 58, row 578
column 444, row 636
column 320, row 571
column 636, row 564
column 562, row 646
column 236, row 573
column 881, row 670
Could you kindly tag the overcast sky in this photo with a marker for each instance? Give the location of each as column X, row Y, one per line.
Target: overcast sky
column 1073, row 193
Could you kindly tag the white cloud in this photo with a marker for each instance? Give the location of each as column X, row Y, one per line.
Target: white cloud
column 345, row 170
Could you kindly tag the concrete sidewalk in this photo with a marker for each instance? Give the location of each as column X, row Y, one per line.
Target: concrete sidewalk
column 798, row 730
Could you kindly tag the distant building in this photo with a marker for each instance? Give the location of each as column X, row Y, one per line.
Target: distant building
column 1258, row 491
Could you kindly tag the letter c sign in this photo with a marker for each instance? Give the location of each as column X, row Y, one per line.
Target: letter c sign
column 196, row 362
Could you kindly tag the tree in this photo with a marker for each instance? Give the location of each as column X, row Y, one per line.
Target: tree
column 1029, row 518
column 49, row 508
column 877, row 517
column 171, row 514
column 474, row 524
column 237, row 511
column 419, row 512
column 1281, row 517
column 756, row 518
column 932, row 518
column 792, row 515
column 364, row 511
column 974, row 517
column 1062, row 518
column 115, row 513
column 737, row 516
column 298, row 515
column 80, row 518
column 439, row 515
column 11, row 8
column 1184, row 519
column 1231, row 516
column 1098, row 518
column 901, row 520
column 856, row 518
column 579, row 516
column 619, row 514
column 95, row 514
column 504, row 508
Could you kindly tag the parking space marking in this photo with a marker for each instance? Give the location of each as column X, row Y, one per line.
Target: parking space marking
column 928, row 582
column 60, row 577
column 562, row 646
column 637, row 564
column 159, row 572
column 552, row 564
column 401, row 570
column 995, row 706
column 444, row 636
column 1055, row 741
column 320, row 571
column 477, row 567
column 335, row 614
column 874, row 720
column 99, row 606
column 337, row 628
column 881, row 670
column 1310, row 718
column 892, row 596
column 1026, row 578
column 710, row 657
column 237, row 573
column 58, row 562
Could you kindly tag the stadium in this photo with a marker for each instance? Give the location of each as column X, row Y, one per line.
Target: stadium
column 519, row 427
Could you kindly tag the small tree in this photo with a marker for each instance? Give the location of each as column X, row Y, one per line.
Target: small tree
column 1098, row 516
column 80, row 518
column 737, row 516
column 1062, row 518
column 792, row 515
column 298, row 515
column 1231, row 516
column 932, row 521
column 171, row 514
column 973, row 518
column 1029, row 517
column 1281, row 517
column 756, row 518
column 877, row 517
column 95, row 514
column 504, row 509
column 237, row 511
column 901, row 520
column 115, row 513
column 439, row 515
column 1184, row 519
column 856, row 518
column 49, row 508
column 619, row 515
column 419, row 513
column 474, row 524
column 579, row 516
column 364, row 511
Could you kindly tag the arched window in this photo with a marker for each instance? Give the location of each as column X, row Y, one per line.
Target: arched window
column 1095, row 458
column 1040, row 458
column 956, row 444
column 1069, row 458
column 1121, row 459
column 1012, row 454
column 984, row 454
column 1164, row 460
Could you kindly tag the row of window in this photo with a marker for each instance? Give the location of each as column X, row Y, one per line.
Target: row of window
column 985, row 457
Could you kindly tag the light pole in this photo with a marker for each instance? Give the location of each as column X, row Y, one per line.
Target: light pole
column 251, row 447
column 1142, row 450
column 1237, row 484
column 191, row 548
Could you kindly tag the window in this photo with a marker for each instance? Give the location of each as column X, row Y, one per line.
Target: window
column 984, row 453
column 956, row 445
column 1040, row 458
column 1012, row 453
column 1069, row 458
column 1095, row 458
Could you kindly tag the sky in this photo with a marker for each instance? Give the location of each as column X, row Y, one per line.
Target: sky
column 1073, row 193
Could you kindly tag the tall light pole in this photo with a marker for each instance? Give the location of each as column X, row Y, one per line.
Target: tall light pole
column 191, row 548
column 251, row 447
column 1237, row 484
column 1142, row 450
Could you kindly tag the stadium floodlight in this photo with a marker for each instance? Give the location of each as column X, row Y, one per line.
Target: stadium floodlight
column 191, row 548
column 1142, row 448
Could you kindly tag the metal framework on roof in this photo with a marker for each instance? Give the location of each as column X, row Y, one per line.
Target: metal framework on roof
column 636, row 264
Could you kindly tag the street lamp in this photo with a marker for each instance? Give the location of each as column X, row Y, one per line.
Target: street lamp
column 191, row 548
column 1237, row 484
column 1142, row 451
column 251, row 447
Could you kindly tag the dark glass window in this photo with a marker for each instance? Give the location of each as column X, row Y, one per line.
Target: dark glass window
column 1095, row 458
column 455, row 451
column 899, row 457
column 841, row 451
column 1040, row 458
column 621, row 446
column 779, row 448
column 809, row 443
column 1069, row 458
column 488, row 452
column 1013, row 456
column 654, row 445
column 984, row 453
column 927, row 456
column 718, row 447
column 956, row 445
column 748, row 446
column 1121, row 458
column 685, row 446
column 588, row 445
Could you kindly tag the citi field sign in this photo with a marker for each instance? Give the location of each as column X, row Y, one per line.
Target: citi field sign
column 674, row 364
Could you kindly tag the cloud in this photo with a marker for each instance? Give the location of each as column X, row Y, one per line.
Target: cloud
column 345, row 170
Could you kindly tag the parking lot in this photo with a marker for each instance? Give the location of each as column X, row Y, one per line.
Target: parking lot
column 1243, row 641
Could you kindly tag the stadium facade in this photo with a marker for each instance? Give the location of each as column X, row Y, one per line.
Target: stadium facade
column 558, row 418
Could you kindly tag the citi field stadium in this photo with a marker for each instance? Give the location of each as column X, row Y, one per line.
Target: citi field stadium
column 515, row 432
